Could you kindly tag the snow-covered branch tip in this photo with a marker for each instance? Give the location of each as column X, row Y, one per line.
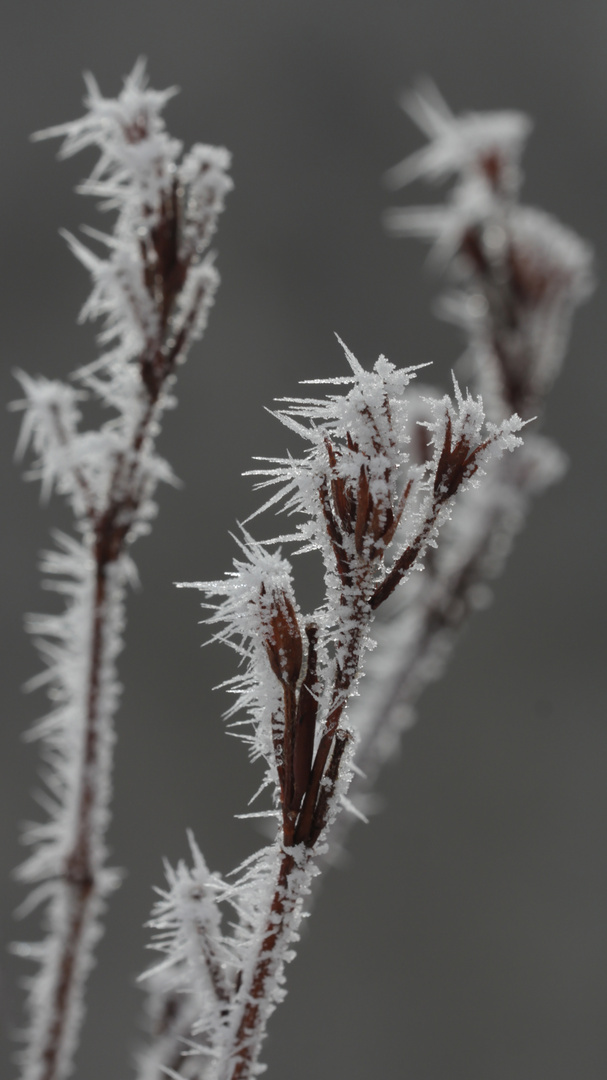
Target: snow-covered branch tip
column 152, row 288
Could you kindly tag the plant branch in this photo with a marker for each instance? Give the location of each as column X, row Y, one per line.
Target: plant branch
column 154, row 292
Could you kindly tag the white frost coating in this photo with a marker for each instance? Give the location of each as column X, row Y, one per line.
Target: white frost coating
column 50, row 425
column 366, row 430
column 151, row 289
column 468, row 426
column 197, row 960
column 194, row 303
column 62, row 641
column 259, row 584
column 137, row 156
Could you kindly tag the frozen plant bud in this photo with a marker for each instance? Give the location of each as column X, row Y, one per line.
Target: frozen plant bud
column 282, row 634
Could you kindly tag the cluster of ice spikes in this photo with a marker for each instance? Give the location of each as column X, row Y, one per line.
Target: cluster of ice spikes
column 152, row 291
column 372, row 511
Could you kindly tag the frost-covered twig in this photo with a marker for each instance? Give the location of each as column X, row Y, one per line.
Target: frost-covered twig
column 518, row 276
column 520, row 273
column 153, row 291
column 373, row 512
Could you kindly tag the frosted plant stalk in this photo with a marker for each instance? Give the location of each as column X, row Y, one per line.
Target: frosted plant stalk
column 153, row 291
column 372, row 512
column 517, row 276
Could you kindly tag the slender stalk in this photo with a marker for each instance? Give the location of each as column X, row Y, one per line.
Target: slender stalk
column 154, row 292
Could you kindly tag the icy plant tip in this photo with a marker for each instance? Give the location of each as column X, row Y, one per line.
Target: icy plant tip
column 372, row 511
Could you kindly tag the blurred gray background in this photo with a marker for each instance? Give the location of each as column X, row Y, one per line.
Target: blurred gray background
column 466, row 936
